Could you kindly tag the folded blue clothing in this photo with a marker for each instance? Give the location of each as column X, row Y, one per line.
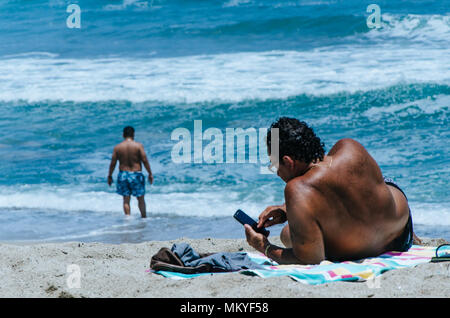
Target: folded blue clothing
column 227, row 262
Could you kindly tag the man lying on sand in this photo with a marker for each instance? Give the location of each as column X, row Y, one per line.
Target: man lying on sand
column 130, row 180
column 338, row 206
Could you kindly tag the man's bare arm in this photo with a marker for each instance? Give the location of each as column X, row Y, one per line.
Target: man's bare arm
column 303, row 251
column 112, row 165
column 274, row 214
column 277, row 253
column 146, row 163
column 306, row 235
column 302, row 203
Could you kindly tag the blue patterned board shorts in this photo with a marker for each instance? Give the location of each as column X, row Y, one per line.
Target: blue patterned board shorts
column 131, row 183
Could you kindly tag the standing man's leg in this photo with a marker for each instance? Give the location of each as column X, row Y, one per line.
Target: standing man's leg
column 123, row 188
column 142, row 207
column 126, row 204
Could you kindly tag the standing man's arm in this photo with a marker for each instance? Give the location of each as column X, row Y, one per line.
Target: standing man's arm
column 146, row 164
column 112, row 166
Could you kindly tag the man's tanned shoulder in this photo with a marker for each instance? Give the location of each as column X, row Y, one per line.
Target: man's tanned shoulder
column 298, row 192
column 347, row 143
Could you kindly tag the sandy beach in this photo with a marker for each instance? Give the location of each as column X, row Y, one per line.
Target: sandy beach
column 107, row 270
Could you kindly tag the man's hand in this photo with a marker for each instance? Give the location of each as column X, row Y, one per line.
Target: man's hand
column 256, row 240
column 150, row 178
column 110, row 180
column 275, row 214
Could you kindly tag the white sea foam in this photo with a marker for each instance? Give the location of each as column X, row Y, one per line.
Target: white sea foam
column 235, row 3
column 414, row 27
column 431, row 213
column 226, row 77
column 202, row 203
column 130, row 4
column 429, row 105
column 194, row 204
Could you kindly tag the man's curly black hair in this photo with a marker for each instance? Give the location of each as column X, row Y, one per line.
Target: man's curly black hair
column 297, row 140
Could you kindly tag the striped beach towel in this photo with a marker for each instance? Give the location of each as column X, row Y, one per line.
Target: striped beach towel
column 326, row 272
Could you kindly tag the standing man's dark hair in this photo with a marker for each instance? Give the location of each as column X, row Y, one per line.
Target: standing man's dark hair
column 297, row 140
column 128, row 131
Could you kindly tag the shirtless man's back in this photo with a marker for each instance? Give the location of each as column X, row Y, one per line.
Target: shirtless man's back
column 366, row 213
column 338, row 208
column 130, row 181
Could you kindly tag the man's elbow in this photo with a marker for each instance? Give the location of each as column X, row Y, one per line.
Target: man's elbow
column 305, row 259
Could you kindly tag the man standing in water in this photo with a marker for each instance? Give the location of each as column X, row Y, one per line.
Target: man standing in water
column 338, row 206
column 130, row 180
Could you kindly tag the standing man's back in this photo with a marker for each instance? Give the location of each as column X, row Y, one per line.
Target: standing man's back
column 130, row 180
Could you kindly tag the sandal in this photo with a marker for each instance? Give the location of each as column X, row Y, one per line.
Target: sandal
column 444, row 258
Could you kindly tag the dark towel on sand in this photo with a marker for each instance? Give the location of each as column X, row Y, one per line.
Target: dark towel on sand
column 182, row 258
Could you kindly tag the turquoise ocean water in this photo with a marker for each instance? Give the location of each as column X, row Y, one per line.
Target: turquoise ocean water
column 159, row 65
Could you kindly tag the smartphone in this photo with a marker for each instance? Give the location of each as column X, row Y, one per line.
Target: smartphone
column 243, row 218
